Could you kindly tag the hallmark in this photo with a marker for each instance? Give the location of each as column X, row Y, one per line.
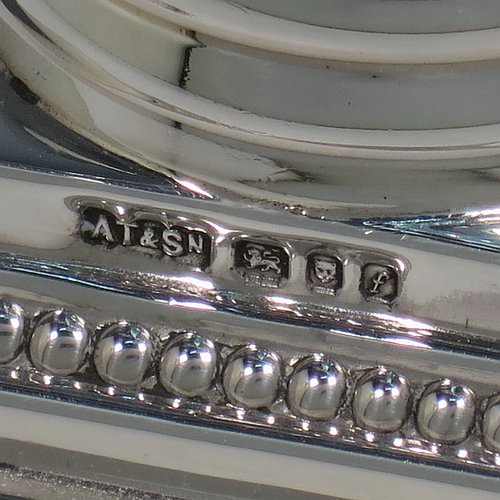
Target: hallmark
column 160, row 238
column 324, row 273
column 379, row 282
column 261, row 264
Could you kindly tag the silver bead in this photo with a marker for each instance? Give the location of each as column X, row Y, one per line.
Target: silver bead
column 59, row 343
column 189, row 365
column 123, row 353
column 381, row 400
column 316, row 388
column 446, row 412
column 491, row 425
column 11, row 330
column 252, row 377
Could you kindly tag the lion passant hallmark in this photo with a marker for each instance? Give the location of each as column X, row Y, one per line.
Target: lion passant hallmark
column 261, row 263
column 257, row 260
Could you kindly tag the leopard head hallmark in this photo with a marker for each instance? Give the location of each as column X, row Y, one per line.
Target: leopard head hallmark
column 260, row 260
column 261, row 264
column 324, row 273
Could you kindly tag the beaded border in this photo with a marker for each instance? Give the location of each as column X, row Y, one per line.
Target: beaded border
column 214, row 409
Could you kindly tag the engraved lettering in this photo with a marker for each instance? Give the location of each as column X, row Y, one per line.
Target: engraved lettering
column 127, row 233
column 195, row 243
column 148, row 238
column 378, row 280
column 172, row 243
column 153, row 235
column 102, row 229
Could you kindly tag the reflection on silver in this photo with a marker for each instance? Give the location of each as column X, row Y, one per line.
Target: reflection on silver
column 446, row 412
column 123, row 353
column 479, row 229
column 269, row 260
column 11, row 330
column 252, row 376
column 316, row 388
column 208, row 295
column 381, row 400
column 59, row 343
column 188, row 365
column 343, row 173
column 491, row 425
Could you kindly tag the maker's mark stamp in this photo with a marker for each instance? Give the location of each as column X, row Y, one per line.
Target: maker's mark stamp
column 159, row 238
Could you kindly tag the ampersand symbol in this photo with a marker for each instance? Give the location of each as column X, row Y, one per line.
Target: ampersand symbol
column 148, row 239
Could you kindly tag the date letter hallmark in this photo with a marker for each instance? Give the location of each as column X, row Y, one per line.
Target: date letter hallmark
column 162, row 239
column 261, row 264
column 379, row 282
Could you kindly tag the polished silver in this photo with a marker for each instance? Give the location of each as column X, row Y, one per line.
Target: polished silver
column 472, row 228
column 243, row 167
column 219, row 408
column 258, row 258
column 12, row 329
column 381, row 400
column 491, row 424
column 123, row 353
column 252, row 376
column 446, row 412
column 380, row 16
column 59, row 343
column 455, row 345
column 189, row 365
column 316, row 388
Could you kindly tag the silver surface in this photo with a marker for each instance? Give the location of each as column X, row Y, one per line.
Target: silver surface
column 344, row 95
column 446, row 412
column 251, row 377
column 189, row 365
column 406, row 221
column 475, row 228
column 491, row 425
column 59, row 343
column 382, row 400
column 316, row 388
column 12, row 327
column 417, row 16
column 132, row 475
column 347, row 173
column 123, row 353
column 409, row 334
column 231, row 329
column 28, row 471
